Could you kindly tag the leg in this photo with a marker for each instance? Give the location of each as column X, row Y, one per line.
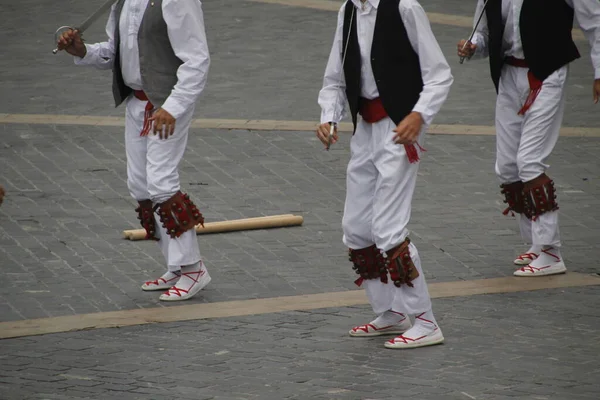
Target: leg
column 136, row 150
column 508, row 138
column 163, row 160
column 540, row 133
column 357, row 225
column 361, row 176
column 391, row 213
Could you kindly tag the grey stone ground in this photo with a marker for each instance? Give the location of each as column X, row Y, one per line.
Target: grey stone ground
column 267, row 63
column 537, row 345
column 61, row 251
column 60, row 228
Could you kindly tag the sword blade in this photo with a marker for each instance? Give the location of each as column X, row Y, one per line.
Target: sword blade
column 97, row 14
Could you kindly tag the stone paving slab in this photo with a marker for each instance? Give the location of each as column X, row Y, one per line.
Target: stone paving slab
column 67, row 204
column 535, row 345
column 267, row 63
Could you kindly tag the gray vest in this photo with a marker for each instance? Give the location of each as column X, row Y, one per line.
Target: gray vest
column 158, row 62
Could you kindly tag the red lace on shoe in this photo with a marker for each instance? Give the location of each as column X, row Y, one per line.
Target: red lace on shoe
column 527, row 255
column 178, row 291
column 155, row 282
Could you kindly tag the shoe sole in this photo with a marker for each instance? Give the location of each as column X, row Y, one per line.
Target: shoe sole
column 396, row 332
column 559, row 271
column 195, row 289
column 432, row 342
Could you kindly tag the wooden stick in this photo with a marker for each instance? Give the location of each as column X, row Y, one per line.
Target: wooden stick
column 273, row 221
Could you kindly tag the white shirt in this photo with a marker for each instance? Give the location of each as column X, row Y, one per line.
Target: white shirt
column 587, row 13
column 437, row 77
column 185, row 27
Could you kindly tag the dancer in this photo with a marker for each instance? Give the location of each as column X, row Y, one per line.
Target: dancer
column 529, row 46
column 159, row 57
column 387, row 64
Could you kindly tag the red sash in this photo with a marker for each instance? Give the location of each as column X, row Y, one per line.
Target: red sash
column 373, row 111
column 140, row 95
column 535, row 85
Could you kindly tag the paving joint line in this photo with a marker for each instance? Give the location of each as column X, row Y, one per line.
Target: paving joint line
column 133, row 317
column 263, row 125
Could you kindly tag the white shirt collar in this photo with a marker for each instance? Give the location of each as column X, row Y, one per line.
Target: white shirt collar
column 372, row 3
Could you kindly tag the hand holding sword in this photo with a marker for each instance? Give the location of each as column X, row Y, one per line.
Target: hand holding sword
column 69, row 39
column 328, row 132
column 466, row 48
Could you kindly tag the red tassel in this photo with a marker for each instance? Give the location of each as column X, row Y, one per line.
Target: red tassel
column 147, row 122
column 412, row 153
column 359, row 281
column 535, row 86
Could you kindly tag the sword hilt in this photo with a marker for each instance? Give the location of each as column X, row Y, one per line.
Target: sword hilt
column 331, row 132
column 58, row 32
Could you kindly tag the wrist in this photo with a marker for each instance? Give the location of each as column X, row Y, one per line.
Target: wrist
column 418, row 114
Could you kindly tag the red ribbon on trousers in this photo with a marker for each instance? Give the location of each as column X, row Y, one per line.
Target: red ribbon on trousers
column 140, row 95
column 373, row 111
column 535, row 85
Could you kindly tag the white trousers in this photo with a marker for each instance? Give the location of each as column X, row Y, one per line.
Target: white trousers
column 152, row 173
column 380, row 184
column 524, row 142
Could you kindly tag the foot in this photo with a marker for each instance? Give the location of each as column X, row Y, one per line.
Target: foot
column 193, row 279
column 164, row 282
column 549, row 262
column 529, row 256
column 389, row 323
column 424, row 333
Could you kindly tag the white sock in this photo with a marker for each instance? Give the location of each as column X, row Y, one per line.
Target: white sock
column 425, row 324
column 170, row 275
column 548, row 255
column 388, row 318
column 535, row 248
column 186, row 282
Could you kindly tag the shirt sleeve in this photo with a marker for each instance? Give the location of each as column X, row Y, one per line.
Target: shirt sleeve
column 588, row 17
column 185, row 26
column 436, row 73
column 482, row 34
column 101, row 55
column 332, row 97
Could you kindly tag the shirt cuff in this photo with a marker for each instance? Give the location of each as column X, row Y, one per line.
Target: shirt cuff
column 88, row 59
column 427, row 118
column 173, row 107
column 327, row 116
column 597, row 73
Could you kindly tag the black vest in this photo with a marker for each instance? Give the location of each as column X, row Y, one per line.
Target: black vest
column 545, row 26
column 395, row 64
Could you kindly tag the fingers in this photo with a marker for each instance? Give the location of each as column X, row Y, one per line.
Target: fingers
column 66, row 39
column 405, row 134
column 323, row 133
column 466, row 48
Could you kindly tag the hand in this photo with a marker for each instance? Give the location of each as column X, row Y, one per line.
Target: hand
column 71, row 42
column 596, row 91
column 408, row 129
column 1, row 195
column 164, row 123
column 468, row 51
column 323, row 134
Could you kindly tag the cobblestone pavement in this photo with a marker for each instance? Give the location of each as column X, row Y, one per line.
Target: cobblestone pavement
column 60, row 227
column 534, row 346
column 61, row 251
column 267, row 63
